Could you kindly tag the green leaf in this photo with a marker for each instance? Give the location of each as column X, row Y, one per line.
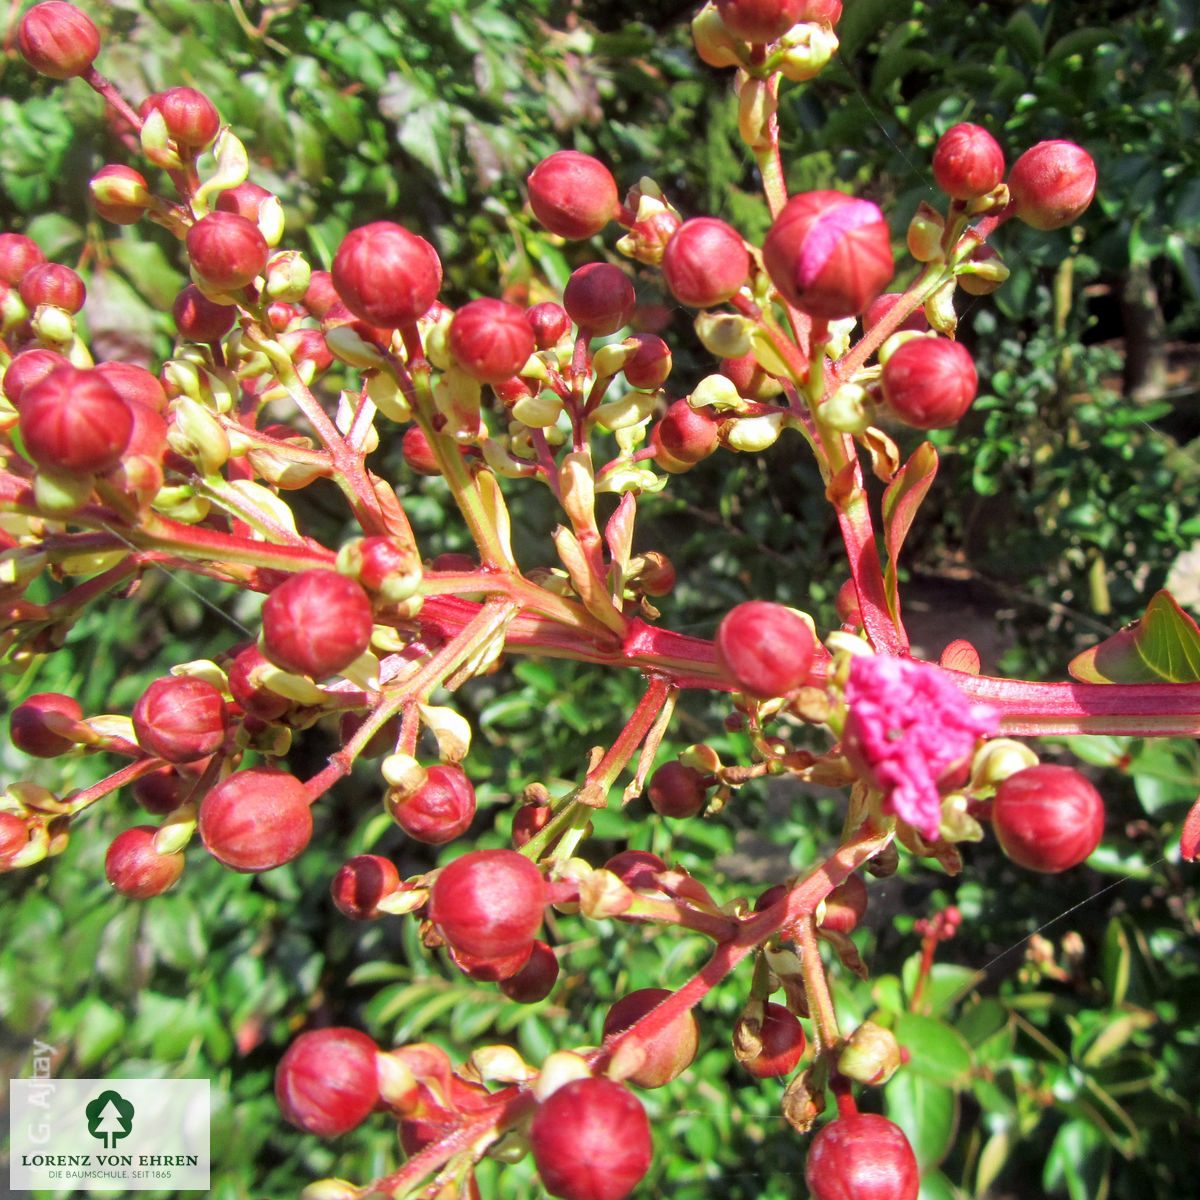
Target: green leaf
column 947, row 983
column 927, row 1112
column 99, row 1027
column 1162, row 647
column 900, row 503
column 937, row 1051
column 1077, row 1161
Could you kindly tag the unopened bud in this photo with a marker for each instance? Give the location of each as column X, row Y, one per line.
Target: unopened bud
column 757, row 105
column 997, row 760
column 939, row 310
column 727, row 335
column 719, row 392
column 714, row 43
column 197, row 435
column 871, row 1055
column 750, row 435
column 288, row 276
column 806, row 50
column 925, row 233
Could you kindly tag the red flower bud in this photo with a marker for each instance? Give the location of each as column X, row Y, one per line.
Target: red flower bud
column 765, row 649
column 72, row 421
column 439, row 810
column 670, row 1051
column 119, row 194
column 189, row 116
column 528, row 820
column 14, row 837
column 17, row 254
column 52, row 283
column 227, row 251
column 749, row 378
column 760, row 21
column 687, row 434
column 651, row 363
column 136, row 869
column 28, row 367
column 599, row 298
column 491, row 970
column 1052, row 183
column 967, row 162
column 1047, row 818
column 256, row 819
column 636, row 868
column 386, row 275
column 829, row 254
column 27, row 725
column 782, row 1038
column 245, row 675
column 200, row 319
column 929, row 382
column 549, row 322
column 536, row 979
column 677, row 790
column 862, row 1157
column 705, row 262
column 418, row 453
column 572, row 194
column 316, row 623
column 58, row 40
column 490, row 339
column 360, row 883
column 134, row 384
column 246, row 199
column 591, row 1141
column 180, row 718
column 161, row 791
column 321, row 295
column 326, row 1083
column 488, row 903
column 845, row 905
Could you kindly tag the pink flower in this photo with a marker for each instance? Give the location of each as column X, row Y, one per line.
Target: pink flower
column 907, row 728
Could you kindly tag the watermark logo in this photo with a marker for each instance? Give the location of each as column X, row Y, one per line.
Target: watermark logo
column 82, row 1134
column 109, row 1117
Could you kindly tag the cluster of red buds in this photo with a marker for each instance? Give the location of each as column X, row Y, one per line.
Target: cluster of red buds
column 111, row 469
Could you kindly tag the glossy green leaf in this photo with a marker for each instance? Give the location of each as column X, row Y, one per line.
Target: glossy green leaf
column 1163, row 646
column 1077, row 1162
column 926, row 1111
column 946, row 984
column 937, row 1051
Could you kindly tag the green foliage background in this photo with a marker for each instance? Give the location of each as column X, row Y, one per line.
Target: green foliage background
column 1062, row 502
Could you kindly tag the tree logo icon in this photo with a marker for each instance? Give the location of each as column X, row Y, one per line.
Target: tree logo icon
column 109, row 1117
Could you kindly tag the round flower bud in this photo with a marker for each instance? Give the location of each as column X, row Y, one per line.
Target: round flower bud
column 326, row 1082
column 862, row 1157
column 246, row 687
column 256, row 819
column 54, row 284
column 573, row 195
column 136, row 869
column 189, row 116
column 705, row 262
column 28, row 367
column 929, row 382
column 490, row 339
column 967, row 162
column 360, row 883
column 764, row 649
column 782, row 1038
column 316, row 623
column 488, row 903
column 134, row 384
column 58, row 40
column 1047, row 818
column 227, row 251
column 845, row 905
column 677, row 791
column 599, row 298
column 28, row 729
column 439, row 810
column 829, row 254
column 246, row 199
column 386, row 275
column 636, row 868
column 549, row 322
column 686, row 434
column 200, row 319
column 418, row 453
column 180, row 718
column 669, row 1052
column 760, row 21
column 119, row 194
column 1052, row 183
column 14, row 837
column 73, row 422
column 536, row 979
column 591, row 1141
column 17, row 254
column 161, row 791
column 651, row 362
